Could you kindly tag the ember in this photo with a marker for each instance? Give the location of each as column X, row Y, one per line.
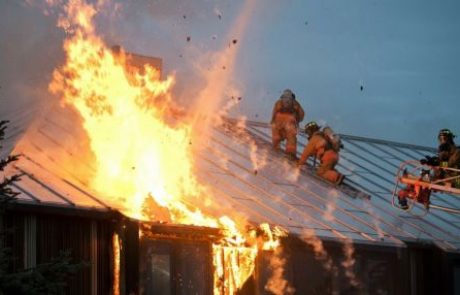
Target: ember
column 144, row 160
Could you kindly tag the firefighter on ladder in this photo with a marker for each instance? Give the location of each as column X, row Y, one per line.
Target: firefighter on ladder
column 319, row 146
column 449, row 153
column 448, row 157
column 286, row 116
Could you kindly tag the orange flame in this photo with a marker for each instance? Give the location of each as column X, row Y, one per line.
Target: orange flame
column 116, row 266
column 142, row 149
column 276, row 284
column 138, row 154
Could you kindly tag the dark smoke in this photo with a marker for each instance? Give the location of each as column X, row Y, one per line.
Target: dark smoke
column 30, row 48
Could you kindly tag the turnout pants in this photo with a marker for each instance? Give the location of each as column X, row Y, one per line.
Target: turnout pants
column 327, row 166
column 284, row 127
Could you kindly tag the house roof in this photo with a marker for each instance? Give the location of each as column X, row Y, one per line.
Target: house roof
column 370, row 166
column 244, row 173
column 40, row 149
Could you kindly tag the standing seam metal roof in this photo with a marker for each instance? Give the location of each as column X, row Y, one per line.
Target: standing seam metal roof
column 242, row 170
column 370, row 165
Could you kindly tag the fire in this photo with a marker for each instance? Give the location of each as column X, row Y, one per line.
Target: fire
column 138, row 154
column 142, row 145
column 116, row 266
column 234, row 265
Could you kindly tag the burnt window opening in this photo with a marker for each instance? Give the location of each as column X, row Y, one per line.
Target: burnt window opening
column 155, row 268
column 175, row 267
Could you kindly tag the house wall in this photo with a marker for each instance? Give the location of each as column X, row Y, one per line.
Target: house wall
column 37, row 237
column 414, row 270
column 182, row 267
column 130, row 254
column 432, row 271
column 454, row 275
column 164, row 264
column 377, row 270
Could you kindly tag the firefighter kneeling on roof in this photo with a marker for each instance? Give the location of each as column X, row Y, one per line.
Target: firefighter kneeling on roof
column 286, row 116
column 325, row 150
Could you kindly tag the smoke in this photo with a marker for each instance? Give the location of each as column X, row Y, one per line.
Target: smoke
column 321, row 254
column 233, row 96
column 204, row 65
column 277, row 284
column 373, row 214
column 291, row 174
column 309, row 237
column 258, row 157
column 349, row 262
column 30, row 49
column 218, row 80
column 348, row 249
column 167, row 9
column 194, row 38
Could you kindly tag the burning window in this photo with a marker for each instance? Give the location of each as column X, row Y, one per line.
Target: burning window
column 175, row 267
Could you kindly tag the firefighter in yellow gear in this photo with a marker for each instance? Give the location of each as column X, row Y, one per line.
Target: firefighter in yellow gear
column 321, row 148
column 286, row 116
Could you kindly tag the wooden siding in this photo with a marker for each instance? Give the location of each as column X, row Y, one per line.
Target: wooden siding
column 37, row 238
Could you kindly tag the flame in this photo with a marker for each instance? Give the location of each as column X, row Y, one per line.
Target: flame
column 141, row 144
column 116, row 264
column 272, row 236
column 234, row 265
column 276, row 284
column 138, row 154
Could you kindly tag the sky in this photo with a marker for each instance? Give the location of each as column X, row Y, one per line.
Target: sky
column 380, row 69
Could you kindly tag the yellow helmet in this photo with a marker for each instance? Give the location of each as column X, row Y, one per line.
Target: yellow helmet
column 311, row 127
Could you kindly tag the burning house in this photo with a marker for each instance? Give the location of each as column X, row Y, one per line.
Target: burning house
column 336, row 243
column 160, row 204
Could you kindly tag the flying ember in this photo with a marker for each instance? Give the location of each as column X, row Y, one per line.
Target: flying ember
column 140, row 142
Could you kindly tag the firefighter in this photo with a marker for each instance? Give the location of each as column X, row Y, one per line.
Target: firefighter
column 448, row 157
column 286, row 116
column 449, row 154
column 319, row 147
column 416, row 193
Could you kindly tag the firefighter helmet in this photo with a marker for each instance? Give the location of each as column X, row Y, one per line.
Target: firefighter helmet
column 445, row 135
column 310, row 128
column 287, row 91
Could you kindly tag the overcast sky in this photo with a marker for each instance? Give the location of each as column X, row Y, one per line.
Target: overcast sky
column 404, row 54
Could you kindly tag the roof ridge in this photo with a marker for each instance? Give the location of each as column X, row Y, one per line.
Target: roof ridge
column 346, row 136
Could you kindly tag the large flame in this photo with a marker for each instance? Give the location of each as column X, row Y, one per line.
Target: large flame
column 142, row 144
column 138, row 154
